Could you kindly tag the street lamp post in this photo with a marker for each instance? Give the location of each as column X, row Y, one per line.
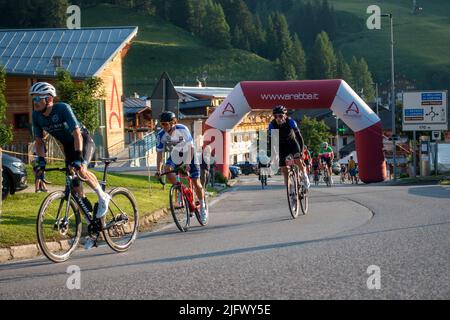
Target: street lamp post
column 376, row 97
column 394, row 147
column 337, row 135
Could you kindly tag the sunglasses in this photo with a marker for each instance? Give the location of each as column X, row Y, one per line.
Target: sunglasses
column 165, row 124
column 38, row 99
column 279, row 116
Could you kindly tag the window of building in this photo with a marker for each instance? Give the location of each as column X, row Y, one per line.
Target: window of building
column 344, row 141
column 21, row 121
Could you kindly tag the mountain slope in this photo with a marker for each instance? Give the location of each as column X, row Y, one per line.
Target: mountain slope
column 161, row 46
column 422, row 41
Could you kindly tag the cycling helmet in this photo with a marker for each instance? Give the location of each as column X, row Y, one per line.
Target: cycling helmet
column 43, row 88
column 167, row 116
column 279, row 110
column 324, row 144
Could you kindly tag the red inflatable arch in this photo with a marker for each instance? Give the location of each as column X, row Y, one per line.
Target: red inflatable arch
column 334, row 94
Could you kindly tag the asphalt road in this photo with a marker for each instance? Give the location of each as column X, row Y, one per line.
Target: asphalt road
column 253, row 249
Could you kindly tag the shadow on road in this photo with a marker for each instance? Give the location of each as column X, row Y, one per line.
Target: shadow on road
column 432, row 192
column 222, row 253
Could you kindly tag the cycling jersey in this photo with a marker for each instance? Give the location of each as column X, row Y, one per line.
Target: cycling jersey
column 325, row 153
column 61, row 123
column 291, row 140
column 180, row 140
column 180, row 137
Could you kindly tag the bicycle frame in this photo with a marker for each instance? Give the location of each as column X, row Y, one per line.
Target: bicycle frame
column 69, row 193
column 186, row 191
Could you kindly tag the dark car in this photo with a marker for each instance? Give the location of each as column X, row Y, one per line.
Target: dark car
column 14, row 175
column 235, row 171
column 248, row 167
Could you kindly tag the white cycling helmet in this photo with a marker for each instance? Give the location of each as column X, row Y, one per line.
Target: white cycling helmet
column 43, row 88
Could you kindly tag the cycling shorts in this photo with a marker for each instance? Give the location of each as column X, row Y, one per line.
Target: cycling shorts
column 327, row 160
column 88, row 150
column 194, row 173
column 292, row 148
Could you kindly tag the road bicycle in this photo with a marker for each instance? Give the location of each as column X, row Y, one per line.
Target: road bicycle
column 59, row 225
column 183, row 201
column 326, row 176
column 297, row 193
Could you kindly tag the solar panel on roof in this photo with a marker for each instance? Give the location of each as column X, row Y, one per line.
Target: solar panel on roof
column 83, row 51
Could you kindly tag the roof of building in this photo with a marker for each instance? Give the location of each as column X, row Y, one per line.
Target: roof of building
column 83, row 52
column 213, row 92
column 135, row 105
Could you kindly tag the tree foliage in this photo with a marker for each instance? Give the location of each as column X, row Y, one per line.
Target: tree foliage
column 33, row 13
column 82, row 96
column 5, row 130
column 314, row 132
column 322, row 61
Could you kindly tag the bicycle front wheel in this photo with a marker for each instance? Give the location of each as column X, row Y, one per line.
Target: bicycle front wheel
column 292, row 193
column 122, row 220
column 304, row 201
column 58, row 227
column 179, row 207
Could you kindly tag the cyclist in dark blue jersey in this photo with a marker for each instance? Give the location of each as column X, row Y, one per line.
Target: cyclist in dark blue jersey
column 60, row 122
column 290, row 141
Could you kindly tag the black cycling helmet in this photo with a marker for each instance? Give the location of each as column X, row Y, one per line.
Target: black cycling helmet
column 167, row 116
column 279, row 110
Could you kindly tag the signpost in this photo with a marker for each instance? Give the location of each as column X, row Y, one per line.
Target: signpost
column 425, row 111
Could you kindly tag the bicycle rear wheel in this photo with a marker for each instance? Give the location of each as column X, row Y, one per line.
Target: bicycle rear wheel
column 122, row 220
column 58, row 236
column 179, row 207
column 292, row 193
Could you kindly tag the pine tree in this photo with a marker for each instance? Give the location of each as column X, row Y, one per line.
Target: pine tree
column 366, row 81
column 278, row 36
column 195, row 22
column 259, row 38
column 181, row 12
column 216, row 31
column 343, row 70
column 286, row 68
column 298, row 58
column 322, row 61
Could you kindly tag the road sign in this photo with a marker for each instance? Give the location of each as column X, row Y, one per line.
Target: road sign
column 425, row 110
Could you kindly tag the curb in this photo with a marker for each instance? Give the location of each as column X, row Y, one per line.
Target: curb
column 32, row 250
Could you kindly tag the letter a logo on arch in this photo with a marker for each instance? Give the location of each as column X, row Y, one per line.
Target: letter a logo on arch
column 229, row 108
column 352, row 109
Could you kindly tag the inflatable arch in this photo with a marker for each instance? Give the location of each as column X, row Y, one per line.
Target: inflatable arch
column 336, row 95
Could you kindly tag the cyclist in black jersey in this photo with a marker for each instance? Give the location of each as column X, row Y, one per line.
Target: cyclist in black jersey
column 290, row 141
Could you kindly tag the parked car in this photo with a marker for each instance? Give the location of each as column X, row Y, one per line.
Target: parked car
column 235, row 172
column 336, row 168
column 14, row 175
column 248, row 167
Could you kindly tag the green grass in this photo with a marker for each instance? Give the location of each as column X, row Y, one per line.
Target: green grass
column 161, row 46
column 18, row 218
column 421, row 41
column 19, row 212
